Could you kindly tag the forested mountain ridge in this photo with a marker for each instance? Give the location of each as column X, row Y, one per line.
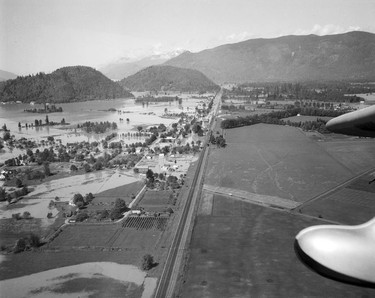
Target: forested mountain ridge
column 169, row 78
column 348, row 56
column 67, row 84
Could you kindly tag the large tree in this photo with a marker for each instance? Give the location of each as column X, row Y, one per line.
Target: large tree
column 118, row 210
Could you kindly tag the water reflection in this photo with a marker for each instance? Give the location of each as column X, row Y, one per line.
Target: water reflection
column 51, row 283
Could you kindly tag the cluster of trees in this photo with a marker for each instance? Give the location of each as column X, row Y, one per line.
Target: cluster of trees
column 232, row 107
column 115, row 213
column 327, row 91
column 112, row 135
column 47, row 109
column 12, row 162
column 118, row 209
column 4, row 128
column 155, row 131
column 97, row 127
column 108, row 161
column 39, row 122
column 128, row 160
column 197, row 129
column 81, row 201
column 147, row 262
column 46, row 155
column 165, row 182
column 219, row 141
column 18, row 216
column 277, row 116
column 319, row 125
column 9, row 196
column 115, row 145
column 147, row 99
column 194, row 147
column 27, row 243
column 151, row 139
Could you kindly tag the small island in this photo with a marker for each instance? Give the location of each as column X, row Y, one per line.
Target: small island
column 47, row 109
column 97, row 127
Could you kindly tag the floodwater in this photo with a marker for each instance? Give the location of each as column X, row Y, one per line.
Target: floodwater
column 75, row 113
column 60, row 282
column 65, row 188
column 95, row 111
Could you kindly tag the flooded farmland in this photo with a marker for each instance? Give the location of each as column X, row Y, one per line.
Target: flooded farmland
column 95, row 111
column 83, row 280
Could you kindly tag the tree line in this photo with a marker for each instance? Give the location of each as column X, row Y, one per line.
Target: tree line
column 97, row 127
column 327, row 91
column 277, row 116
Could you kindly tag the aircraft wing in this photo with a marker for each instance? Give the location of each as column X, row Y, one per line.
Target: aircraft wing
column 357, row 123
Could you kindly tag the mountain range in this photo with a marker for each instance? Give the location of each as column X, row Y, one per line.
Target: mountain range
column 6, row 75
column 67, row 84
column 169, row 78
column 125, row 67
column 348, row 56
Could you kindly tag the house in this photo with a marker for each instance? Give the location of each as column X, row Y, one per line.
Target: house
column 169, row 139
column 142, row 169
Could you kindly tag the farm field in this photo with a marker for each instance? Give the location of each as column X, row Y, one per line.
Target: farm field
column 155, row 198
column 11, row 229
column 107, row 236
column 157, row 201
column 107, row 198
column 283, row 162
column 26, row 263
column 351, row 204
column 240, row 248
column 243, row 250
column 123, row 243
column 356, row 154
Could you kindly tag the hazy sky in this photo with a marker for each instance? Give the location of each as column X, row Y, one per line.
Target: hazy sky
column 42, row 35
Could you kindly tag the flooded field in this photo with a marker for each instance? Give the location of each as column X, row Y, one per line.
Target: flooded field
column 96, row 111
column 37, row 201
column 99, row 279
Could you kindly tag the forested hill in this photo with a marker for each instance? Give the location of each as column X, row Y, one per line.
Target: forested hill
column 348, row 56
column 169, row 78
column 67, row 84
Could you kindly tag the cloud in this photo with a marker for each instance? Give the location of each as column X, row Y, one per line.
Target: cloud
column 236, row 37
column 326, row 30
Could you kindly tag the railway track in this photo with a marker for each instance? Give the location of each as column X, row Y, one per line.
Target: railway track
column 170, row 272
column 162, row 289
